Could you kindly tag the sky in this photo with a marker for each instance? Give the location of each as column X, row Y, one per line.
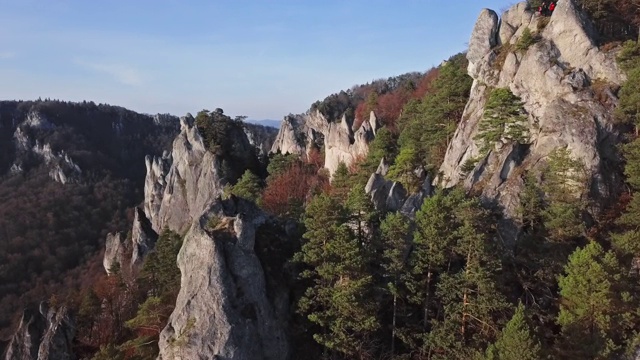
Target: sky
column 260, row 58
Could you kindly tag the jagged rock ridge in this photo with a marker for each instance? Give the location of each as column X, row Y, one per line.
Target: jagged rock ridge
column 554, row 79
column 180, row 185
column 300, row 133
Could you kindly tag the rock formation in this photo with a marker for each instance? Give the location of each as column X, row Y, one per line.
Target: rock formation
column 300, row 133
column 46, row 334
column 260, row 137
column 143, row 238
column 222, row 310
column 114, row 252
column 554, row 77
column 181, row 185
column 388, row 195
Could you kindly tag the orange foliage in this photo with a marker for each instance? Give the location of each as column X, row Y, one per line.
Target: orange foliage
column 286, row 194
column 425, row 84
column 389, row 105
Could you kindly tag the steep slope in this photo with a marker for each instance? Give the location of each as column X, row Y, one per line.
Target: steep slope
column 567, row 88
column 68, row 174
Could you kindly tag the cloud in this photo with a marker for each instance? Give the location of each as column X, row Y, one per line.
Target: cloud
column 4, row 55
column 122, row 73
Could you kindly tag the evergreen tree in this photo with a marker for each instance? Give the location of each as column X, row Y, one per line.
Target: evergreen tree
column 395, row 244
column 280, row 163
column 160, row 270
column 338, row 300
column 404, row 168
column 531, row 204
column 341, row 182
column 503, row 118
column 564, row 181
column 516, row 342
column 628, row 242
column 593, row 305
column 428, row 125
column 248, row 187
column 472, row 303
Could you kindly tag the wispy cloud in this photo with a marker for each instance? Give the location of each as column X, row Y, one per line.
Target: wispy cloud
column 4, row 55
column 122, row 73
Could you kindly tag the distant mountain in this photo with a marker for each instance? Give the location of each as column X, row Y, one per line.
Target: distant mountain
column 266, row 122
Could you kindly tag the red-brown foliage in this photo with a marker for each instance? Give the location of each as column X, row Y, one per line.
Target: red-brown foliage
column 286, row 194
column 388, row 106
column 425, row 84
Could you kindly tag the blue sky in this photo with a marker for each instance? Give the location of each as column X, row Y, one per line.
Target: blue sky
column 263, row 59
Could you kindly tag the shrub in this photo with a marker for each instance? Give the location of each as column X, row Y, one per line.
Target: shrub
column 526, row 40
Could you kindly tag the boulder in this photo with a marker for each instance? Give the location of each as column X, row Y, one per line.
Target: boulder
column 386, row 195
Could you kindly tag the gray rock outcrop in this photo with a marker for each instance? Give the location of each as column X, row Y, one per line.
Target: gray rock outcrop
column 143, row 237
column 554, row 78
column 46, row 334
column 180, row 186
column 222, row 310
column 300, row 133
column 114, row 252
column 61, row 167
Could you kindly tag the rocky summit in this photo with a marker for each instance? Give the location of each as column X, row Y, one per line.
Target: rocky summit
column 567, row 86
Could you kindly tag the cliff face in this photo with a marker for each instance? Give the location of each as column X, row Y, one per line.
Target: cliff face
column 43, row 335
column 300, row 133
column 222, row 310
column 180, row 185
column 566, row 85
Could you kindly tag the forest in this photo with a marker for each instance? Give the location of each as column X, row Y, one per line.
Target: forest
column 371, row 284
column 52, row 235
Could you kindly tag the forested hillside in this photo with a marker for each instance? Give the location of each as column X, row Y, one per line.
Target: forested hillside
column 52, row 232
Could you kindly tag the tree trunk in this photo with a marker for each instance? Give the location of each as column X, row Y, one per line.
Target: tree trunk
column 425, row 316
column 465, row 298
column 393, row 325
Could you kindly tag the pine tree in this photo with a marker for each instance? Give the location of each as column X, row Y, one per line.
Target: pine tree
column 516, row 342
column 248, row 187
column 404, row 168
column 432, row 253
column 564, row 180
column 473, row 305
column 338, row 300
column 453, row 277
column 160, row 269
column 503, row 118
column 591, row 303
column 531, row 204
column 340, row 182
column 395, row 244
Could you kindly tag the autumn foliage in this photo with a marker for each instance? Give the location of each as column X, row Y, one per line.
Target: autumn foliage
column 287, row 193
column 388, row 106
